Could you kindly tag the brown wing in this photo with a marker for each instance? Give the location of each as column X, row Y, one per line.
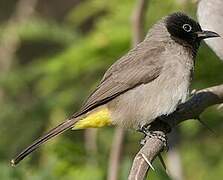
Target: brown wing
column 139, row 66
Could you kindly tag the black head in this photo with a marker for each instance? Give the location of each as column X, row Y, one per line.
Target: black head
column 182, row 27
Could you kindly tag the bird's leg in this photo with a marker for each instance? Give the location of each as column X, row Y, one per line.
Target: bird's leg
column 149, row 133
column 145, row 129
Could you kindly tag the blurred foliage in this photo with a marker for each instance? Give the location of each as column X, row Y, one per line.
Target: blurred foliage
column 58, row 63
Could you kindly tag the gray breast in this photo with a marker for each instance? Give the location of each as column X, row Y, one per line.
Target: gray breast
column 146, row 102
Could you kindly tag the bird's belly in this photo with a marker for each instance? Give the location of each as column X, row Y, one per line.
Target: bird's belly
column 145, row 103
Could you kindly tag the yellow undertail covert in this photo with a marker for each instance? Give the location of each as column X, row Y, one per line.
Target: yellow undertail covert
column 95, row 119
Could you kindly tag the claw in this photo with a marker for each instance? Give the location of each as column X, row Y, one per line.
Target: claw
column 143, row 129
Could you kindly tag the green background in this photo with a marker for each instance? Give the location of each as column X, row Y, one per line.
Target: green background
column 63, row 51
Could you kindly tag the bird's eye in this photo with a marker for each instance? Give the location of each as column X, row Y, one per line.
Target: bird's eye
column 187, row 27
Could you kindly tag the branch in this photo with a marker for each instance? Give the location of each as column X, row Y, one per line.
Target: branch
column 188, row 110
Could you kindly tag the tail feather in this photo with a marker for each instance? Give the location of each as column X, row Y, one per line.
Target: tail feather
column 52, row 133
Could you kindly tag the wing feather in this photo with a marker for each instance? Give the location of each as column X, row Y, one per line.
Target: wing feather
column 139, row 66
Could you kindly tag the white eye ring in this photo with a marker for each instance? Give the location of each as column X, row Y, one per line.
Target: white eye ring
column 187, row 27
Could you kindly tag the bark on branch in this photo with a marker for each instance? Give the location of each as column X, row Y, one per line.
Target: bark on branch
column 189, row 110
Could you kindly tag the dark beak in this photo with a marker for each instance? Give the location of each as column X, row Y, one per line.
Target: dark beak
column 206, row 34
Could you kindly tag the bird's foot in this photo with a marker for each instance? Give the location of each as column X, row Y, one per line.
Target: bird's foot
column 153, row 134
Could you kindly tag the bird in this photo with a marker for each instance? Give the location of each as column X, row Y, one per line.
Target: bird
column 149, row 81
